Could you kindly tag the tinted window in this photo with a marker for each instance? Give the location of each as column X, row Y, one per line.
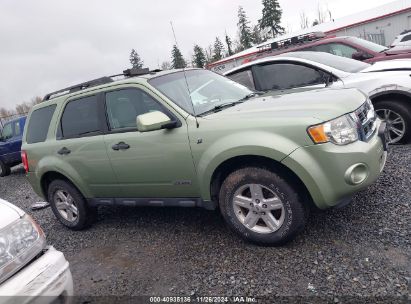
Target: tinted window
column 406, row 38
column 245, row 77
column 339, row 63
column 39, row 124
column 80, row 117
column 123, row 107
column 7, row 131
column 285, row 76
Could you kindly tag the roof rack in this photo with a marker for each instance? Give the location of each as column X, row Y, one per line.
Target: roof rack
column 99, row 81
column 284, row 43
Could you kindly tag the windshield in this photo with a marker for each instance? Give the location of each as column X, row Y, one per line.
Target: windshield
column 207, row 90
column 337, row 62
column 368, row 44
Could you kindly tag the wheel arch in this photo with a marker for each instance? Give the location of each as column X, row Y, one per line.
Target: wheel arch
column 394, row 94
column 237, row 162
column 50, row 176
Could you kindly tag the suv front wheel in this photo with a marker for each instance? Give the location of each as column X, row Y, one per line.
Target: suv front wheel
column 261, row 207
column 69, row 205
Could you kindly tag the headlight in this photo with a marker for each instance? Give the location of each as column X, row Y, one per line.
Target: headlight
column 20, row 242
column 340, row 131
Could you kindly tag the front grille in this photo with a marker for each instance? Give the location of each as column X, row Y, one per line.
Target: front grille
column 366, row 120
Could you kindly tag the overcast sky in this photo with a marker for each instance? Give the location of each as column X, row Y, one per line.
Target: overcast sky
column 48, row 44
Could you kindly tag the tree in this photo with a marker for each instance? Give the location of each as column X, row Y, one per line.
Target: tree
column 135, row 60
column 245, row 35
column 229, row 45
column 177, row 61
column 209, row 54
column 323, row 15
column 271, row 17
column 257, row 39
column 304, row 22
column 218, row 49
column 166, row 65
column 199, row 58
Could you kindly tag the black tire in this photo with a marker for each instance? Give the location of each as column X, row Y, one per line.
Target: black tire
column 86, row 215
column 401, row 108
column 296, row 213
column 4, row 169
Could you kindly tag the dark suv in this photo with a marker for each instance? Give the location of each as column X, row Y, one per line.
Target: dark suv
column 10, row 144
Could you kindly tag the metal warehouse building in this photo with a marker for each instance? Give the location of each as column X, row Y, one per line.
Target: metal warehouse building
column 380, row 24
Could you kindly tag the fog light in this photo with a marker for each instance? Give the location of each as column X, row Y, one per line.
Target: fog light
column 356, row 174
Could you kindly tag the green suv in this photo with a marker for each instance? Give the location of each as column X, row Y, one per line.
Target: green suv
column 194, row 138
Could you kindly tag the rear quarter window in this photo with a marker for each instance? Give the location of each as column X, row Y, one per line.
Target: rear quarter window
column 39, row 123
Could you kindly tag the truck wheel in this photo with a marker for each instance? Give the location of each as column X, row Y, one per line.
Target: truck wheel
column 4, row 169
column 398, row 118
column 261, row 207
column 69, row 205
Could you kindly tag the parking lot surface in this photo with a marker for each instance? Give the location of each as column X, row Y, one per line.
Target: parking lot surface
column 362, row 250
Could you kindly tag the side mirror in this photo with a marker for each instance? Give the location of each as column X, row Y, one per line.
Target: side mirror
column 152, row 121
column 360, row 56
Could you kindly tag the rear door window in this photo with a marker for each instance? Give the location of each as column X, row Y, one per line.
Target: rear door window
column 282, row 76
column 80, row 118
column 39, row 124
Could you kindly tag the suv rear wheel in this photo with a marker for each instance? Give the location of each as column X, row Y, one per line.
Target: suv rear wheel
column 261, row 207
column 4, row 169
column 69, row 205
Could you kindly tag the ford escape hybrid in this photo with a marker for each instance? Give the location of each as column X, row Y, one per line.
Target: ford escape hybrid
column 196, row 138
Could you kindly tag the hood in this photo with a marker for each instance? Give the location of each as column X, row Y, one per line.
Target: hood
column 389, row 65
column 9, row 213
column 398, row 51
column 323, row 104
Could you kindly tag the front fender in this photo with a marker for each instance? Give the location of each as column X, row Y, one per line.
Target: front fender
column 273, row 146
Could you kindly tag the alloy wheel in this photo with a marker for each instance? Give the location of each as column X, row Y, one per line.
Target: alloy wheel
column 65, row 205
column 395, row 124
column 258, row 208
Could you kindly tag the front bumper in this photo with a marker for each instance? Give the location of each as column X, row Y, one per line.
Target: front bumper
column 323, row 168
column 42, row 281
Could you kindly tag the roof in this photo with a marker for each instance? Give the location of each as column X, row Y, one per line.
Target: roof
column 373, row 14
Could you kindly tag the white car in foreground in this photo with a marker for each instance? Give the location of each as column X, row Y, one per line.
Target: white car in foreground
column 30, row 271
column 387, row 83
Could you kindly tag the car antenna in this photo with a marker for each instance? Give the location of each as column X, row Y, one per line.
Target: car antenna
column 185, row 77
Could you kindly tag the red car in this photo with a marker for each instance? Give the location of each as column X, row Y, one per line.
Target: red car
column 345, row 46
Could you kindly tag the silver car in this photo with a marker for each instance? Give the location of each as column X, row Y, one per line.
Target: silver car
column 387, row 83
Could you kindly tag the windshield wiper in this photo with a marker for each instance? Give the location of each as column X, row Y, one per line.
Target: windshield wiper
column 221, row 106
column 231, row 104
column 253, row 94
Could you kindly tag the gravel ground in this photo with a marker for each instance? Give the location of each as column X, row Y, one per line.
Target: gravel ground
column 362, row 250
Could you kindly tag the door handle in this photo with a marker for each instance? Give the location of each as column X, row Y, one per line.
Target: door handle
column 120, row 146
column 63, row 151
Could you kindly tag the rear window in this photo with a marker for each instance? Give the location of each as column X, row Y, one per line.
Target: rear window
column 80, row 118
column 39, row 124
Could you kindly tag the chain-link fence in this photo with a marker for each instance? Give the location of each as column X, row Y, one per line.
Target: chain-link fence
column 5, row 119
